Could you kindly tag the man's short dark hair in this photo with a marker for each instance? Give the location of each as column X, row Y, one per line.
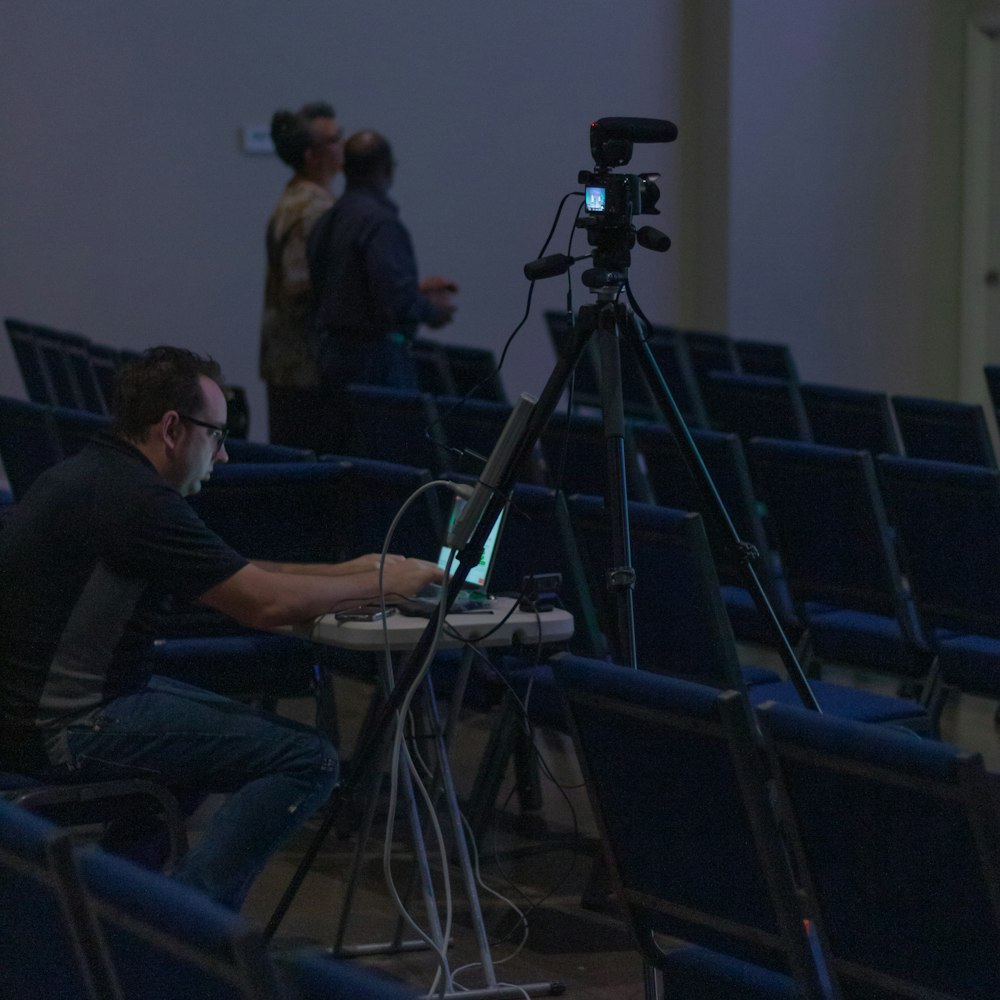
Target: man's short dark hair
column 160, row 379
column 291, row 131
column 366, row 155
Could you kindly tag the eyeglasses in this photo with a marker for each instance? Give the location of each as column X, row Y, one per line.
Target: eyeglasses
column 221, row 432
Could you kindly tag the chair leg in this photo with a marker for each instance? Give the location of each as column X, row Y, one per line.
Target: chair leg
column 527, row 774
column 326, row 704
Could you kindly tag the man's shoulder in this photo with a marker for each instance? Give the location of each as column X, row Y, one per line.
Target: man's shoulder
column 366, row 202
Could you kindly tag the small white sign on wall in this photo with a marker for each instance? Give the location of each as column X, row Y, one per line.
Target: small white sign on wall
column 256, row 139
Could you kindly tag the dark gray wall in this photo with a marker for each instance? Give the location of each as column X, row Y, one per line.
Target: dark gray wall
column 813, row 195
column 130, row 214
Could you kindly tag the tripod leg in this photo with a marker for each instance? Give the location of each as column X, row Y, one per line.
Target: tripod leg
column 621, row 577
column 716, row 508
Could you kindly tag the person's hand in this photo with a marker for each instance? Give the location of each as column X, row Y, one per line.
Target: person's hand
column 370, row 561
column 443, row 313
column 407, row 576
column 436, row 285
column 439, row 291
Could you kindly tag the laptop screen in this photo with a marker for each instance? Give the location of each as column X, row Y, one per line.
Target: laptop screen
column 479, row 576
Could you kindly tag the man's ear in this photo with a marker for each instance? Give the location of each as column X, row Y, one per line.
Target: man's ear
column 169, row 429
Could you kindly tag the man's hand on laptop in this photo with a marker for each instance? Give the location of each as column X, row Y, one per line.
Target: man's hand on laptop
column 404, row 577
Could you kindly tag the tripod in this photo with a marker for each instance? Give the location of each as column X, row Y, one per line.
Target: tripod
column 610, row 232
column 607, row 319
column 612, row 324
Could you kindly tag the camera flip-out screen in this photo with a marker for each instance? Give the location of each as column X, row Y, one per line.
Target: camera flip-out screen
column 595, row 199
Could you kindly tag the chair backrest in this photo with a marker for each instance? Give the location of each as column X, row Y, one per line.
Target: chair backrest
column 104, row 362
column 240, row 450
column 900, row 836
column 34, row 373
column 433, row 373
column 373, row 493
column 947, row 523
column 281, row 511
column 636, row 398
column 576, row 456
column 680, row 794
column 472, row 428
column 166, row 940
column 681, row 624
column 944, row 431
column 57, row 350
column 850, row 418
column 710, row 352
column 75, row 428
column 762, row 357
column 395, row 425
column 28, row 442
column 826, row 515
column 537, row 538
column 755, row 406
column 474, row 370
column 88, row 387
column 49, row 942
column 670, row 351
column 673, row 485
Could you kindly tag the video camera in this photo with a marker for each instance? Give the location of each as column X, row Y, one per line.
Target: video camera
column 611, row 200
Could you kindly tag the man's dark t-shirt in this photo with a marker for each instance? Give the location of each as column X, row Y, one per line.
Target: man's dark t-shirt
column 96, row 546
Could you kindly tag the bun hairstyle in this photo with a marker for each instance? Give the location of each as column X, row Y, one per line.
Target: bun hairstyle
column 291, row 131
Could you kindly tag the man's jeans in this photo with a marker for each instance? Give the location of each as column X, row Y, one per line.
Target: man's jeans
column 278, row 771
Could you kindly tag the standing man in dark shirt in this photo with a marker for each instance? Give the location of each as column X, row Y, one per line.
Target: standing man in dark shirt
column 364, row 274
column 95, row 546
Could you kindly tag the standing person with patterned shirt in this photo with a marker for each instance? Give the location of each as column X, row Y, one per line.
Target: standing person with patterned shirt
column 311, row 143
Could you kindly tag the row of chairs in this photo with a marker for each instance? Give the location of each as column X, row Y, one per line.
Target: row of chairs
column 679, row 605
column 70, row 371
column 64, row 369
column 828, row 560
column 850, row 551
column 78, row 922
column 681, row 623
column 34, row 436
column 753, row 388
column 848, row 535
column 449, row 434
column 760, row 406
column 457, row 369
column 685, row 358
column 893, row 888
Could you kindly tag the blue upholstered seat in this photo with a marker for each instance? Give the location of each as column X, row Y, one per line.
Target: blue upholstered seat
column 850, row 418
column 901, row 838
column 944, row 430
column 166, row 940
column 836, row 547
column 680, row 794
column 947, row 522
column 49, row 945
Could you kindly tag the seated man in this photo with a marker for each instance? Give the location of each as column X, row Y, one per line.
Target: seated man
column 96, row 545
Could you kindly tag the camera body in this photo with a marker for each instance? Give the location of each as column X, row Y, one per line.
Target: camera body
column 615, row 198
column 611, row 200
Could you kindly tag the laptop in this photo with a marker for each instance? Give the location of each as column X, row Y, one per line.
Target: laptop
column 474, row 592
